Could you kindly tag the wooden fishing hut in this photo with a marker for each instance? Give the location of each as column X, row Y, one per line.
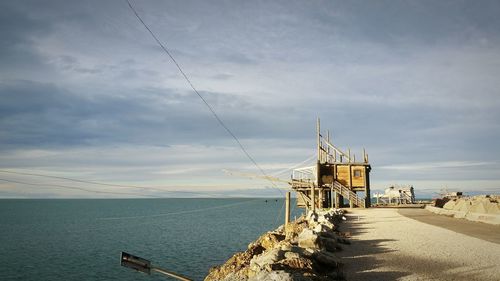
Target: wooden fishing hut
column 335, row 177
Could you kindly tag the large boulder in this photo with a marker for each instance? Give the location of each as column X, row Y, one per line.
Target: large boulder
column 270, row 240
column 449, row 205
column 324, row 227
column 308, row 239
column 279, row 275
column 294, row 228
column 326, row 259
column 493, row 208
column 265, row 260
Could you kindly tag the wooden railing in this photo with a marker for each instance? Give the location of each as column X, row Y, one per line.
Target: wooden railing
column 349, row 194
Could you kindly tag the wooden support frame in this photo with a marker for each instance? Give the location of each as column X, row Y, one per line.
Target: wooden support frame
column 334, row 177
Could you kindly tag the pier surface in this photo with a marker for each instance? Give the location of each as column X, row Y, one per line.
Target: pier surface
column 488, row 232
column 392, row 244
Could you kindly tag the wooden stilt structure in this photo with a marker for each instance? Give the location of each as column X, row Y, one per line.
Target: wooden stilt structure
column 336, row 175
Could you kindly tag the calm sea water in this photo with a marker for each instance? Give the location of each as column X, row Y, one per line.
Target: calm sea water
column 82, row 239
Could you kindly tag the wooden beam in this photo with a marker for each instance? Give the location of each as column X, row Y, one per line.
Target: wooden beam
column 287, row 208
column 318, row 139
column 340, row 152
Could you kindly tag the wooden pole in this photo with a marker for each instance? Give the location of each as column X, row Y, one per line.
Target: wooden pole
column 367, row 188
column 287, row 208
column 313, row 190
column 320, row 197
column 332, row 197
column 328, row 147
column 318, row 130
column 351, row 204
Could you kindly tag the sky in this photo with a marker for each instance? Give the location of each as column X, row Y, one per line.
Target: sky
column 86, row 94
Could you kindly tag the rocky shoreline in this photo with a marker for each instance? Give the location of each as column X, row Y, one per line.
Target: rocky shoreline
column 301, row 250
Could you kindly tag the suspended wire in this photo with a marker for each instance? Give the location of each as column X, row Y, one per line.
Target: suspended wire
column 137, row 223
column 77, row 188
column 295, row 166
column 215, row 115
column 181, row 212
column 280, row 212
column 69, row 179
column 103, row 184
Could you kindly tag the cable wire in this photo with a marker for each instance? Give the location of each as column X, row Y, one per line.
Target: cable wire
column 216, row 116
column 76, row 188
column 103, row 184
column 295, row 166
column 182, row 212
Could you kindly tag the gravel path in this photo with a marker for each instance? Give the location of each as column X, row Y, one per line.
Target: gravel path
column 389, row 246
column 484, row 231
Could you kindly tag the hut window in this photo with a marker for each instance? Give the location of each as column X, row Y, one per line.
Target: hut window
column 357, row 173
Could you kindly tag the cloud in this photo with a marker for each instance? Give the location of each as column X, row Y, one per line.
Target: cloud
column 412, row 82
column 436, row 165
column 43, row 114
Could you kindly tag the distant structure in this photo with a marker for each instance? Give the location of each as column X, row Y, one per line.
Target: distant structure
column 445, row 196
column 335, row 177
column 445, row 193
column 396, row 195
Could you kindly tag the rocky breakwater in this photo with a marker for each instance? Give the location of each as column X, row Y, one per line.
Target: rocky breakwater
column 301, row 250
column 481, row 208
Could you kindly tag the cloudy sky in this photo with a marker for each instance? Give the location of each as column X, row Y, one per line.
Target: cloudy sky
column 86, row 94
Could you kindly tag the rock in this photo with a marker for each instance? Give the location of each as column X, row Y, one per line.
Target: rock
column 272, row 276
column 308, row 239
column 449, row 205
column 291, row 255
column 294, row 228
column 286, row 246
column 493, row 209
column 308, row 251
column 479, row 207
column 297, row 251
column 326, row 259
column 328, row 244
column 269, row 240
column 297, row 262
column 324, row 227
column 265, row 260
column 300, row 251
column 312, row 217
column 235, row 264
column 254, row 249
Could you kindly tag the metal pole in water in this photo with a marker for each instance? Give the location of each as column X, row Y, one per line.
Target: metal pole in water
column 169, row 273
column 144, row 265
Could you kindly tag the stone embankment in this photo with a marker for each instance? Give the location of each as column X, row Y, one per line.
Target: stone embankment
column 477, row 208
column 301, row 250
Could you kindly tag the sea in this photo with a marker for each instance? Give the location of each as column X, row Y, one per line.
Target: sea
column 82, row 239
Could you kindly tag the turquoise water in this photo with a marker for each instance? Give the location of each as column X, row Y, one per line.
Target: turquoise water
column 82, row 239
